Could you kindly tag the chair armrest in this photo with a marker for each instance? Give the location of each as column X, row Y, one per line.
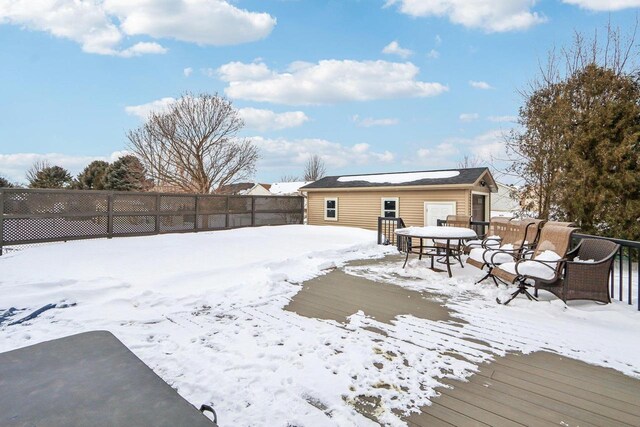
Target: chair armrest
column 545, row 263
column 487, row 240
column 510, row 253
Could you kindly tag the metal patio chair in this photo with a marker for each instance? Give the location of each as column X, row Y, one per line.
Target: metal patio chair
column 517, row 238
column 492, row 238
column 553, row 238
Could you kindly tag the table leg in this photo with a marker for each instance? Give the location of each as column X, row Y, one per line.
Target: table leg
column 447, row 255
column 406, row 258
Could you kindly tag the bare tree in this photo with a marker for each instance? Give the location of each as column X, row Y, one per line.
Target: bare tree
column 314, row 169
column 470, row 162
column 37, row 167
column 289, row 178
column 194, row 145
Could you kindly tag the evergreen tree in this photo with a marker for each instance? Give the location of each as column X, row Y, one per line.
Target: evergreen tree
column 127, row 174
column 4, row 182
column 601, row 179
column 50, row 177
column 93, row 176
column 578, row 148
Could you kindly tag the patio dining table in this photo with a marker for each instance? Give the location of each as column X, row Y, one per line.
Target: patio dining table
column 444, row 235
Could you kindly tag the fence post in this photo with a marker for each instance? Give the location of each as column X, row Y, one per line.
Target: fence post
column 110, row 215
column 1, row 221
column 195, row 222
column 226, row 215
column 303, row 211
column 379, row 230
column 253, row 211
column 157, row 213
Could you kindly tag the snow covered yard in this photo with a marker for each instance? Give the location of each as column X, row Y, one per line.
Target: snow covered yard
column 205, row 311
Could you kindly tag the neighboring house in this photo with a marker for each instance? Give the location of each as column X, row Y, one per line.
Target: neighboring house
column 419, row 198
column 504, row 203
column 288, row 188
column 291, row 189
column 245, row 189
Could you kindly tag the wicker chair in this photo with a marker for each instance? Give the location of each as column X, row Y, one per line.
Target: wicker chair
column 520, row 235
column 552, row 238
column 586, row 272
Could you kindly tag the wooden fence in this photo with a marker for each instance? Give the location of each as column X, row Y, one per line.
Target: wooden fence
column 37, row 216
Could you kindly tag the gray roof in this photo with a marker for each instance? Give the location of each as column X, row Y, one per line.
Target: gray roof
column 466, row 176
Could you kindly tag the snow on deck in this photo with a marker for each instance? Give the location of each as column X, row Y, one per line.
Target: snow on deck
column 205, row 311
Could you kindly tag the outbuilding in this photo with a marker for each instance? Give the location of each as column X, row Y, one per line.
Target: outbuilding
column 419, row 198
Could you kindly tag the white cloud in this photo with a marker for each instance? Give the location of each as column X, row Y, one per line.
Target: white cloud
column 144, row 110
column 264, row 120
column 488, row 15
column 367, row 122
column 489, row 146
column 469, row 117
column 100, row 27
column 142, row 48
column 480, row 85
column 604, row 5
column 441, row 156
column 211, row 22
column 394, row 48
column 438, row 40
column 280, row 152
column 14, row 166
column 503, row 119
column 187, row 71
column 433, row 54
column 326, row 82
column 254, row 118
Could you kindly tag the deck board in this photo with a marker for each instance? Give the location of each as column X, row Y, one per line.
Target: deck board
column 537, row 389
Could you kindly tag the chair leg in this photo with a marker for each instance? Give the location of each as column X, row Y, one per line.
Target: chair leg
column 522, row 289
column 486, row 276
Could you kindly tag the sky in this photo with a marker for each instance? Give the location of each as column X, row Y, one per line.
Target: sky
column 370, row 85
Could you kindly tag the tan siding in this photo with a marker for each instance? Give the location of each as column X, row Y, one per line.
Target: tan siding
column 362, row 208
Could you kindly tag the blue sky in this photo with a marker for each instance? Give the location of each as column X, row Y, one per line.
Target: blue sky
column 369, row 85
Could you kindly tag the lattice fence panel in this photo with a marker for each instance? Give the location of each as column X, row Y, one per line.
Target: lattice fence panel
column 134, row 224
column 177, row 203
column 240, row 220
column 31, row 230
column 134, row 203
column 278, row 218
column 177, row 222
column 211, row 221
column 212, row 204
column 278, row 204
column 71, row 202
column 240, row 204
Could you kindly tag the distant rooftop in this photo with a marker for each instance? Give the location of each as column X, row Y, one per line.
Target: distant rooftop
column 414, row 178
column 285, row 188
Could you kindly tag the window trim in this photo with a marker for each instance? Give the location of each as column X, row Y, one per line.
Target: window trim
column 328, row 199
column 395, row 199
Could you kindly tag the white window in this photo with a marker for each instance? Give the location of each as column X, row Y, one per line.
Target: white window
column 331, row 209
column 390, row 207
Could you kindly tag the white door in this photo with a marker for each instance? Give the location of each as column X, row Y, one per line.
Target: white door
column 433, row 211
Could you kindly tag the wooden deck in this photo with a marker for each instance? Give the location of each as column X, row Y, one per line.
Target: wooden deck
column 539, row 389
